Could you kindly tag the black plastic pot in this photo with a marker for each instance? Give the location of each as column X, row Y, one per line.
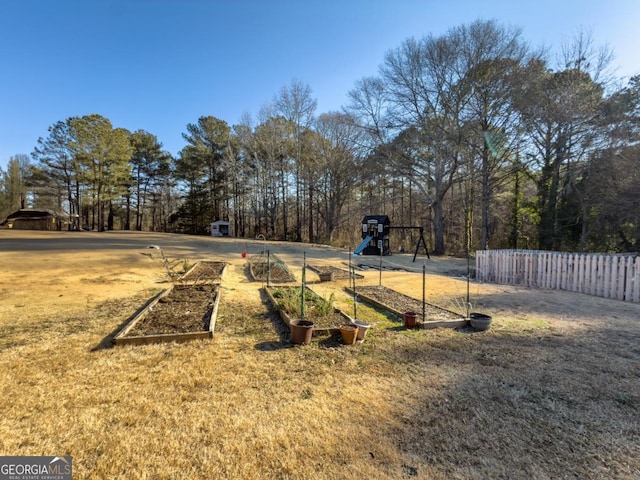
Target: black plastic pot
column 480, row 321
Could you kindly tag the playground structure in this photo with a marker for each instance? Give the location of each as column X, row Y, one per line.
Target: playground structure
column 375, row 236
column 376, row 230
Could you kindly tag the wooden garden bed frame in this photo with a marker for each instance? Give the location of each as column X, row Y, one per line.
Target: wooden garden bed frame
column 316, row 331
column 122, row 339
column 327, row 273
column 463, row 322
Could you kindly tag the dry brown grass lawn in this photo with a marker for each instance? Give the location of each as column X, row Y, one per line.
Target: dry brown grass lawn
column 550, row 391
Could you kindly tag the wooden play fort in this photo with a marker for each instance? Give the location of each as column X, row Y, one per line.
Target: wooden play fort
column 376, row 230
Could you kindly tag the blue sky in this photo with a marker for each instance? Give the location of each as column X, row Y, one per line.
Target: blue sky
column 158, row 65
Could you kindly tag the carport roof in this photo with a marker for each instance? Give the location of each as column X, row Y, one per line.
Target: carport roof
column 32, row 213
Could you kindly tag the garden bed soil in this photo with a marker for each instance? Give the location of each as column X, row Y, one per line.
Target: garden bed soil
column 398, row 303
column 182, row 312
column 205, row 271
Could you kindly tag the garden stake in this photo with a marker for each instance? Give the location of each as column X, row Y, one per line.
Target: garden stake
column 424, row 284
column 380, row 277
column 351, row 272
column 264, row 241
column 355, row 295
column 268, row 268
column 304, row 268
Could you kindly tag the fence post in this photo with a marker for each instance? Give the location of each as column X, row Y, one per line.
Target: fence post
column 635, row 280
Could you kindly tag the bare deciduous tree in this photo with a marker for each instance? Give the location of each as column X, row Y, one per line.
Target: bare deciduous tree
column 297, row 106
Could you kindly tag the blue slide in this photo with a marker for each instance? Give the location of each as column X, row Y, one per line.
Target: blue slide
column 362, row 246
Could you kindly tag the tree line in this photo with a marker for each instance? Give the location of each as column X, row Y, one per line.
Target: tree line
column 475, row 135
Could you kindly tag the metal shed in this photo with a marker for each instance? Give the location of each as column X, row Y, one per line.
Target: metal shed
column 220, row 229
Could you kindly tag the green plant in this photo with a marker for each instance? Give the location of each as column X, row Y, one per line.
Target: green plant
column 186, row 265
column 324, row 306
column 288, row 299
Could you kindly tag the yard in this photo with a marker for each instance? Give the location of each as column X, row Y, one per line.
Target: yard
column 550, row 391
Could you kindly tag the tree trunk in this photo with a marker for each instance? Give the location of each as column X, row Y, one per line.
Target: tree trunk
column 438, row 228
column 486, row 196
column 515, row 213
column 101, row 215
column 127, row 221
column 298, row 232
column 550, row 181
column 110, row 217
column 285, row 213
column 311, row 236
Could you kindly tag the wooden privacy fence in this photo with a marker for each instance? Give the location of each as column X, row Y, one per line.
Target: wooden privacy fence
column 609, row 276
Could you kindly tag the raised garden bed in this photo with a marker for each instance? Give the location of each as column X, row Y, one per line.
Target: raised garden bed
column 326, row 318
column 205, row 271
column 328, row 272
column 398, row 303
column 180, row 313
column 269, row 268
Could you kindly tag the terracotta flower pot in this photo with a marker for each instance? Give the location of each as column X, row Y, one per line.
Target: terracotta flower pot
column 301, row 332
column 410, row 319
column 349, row 334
